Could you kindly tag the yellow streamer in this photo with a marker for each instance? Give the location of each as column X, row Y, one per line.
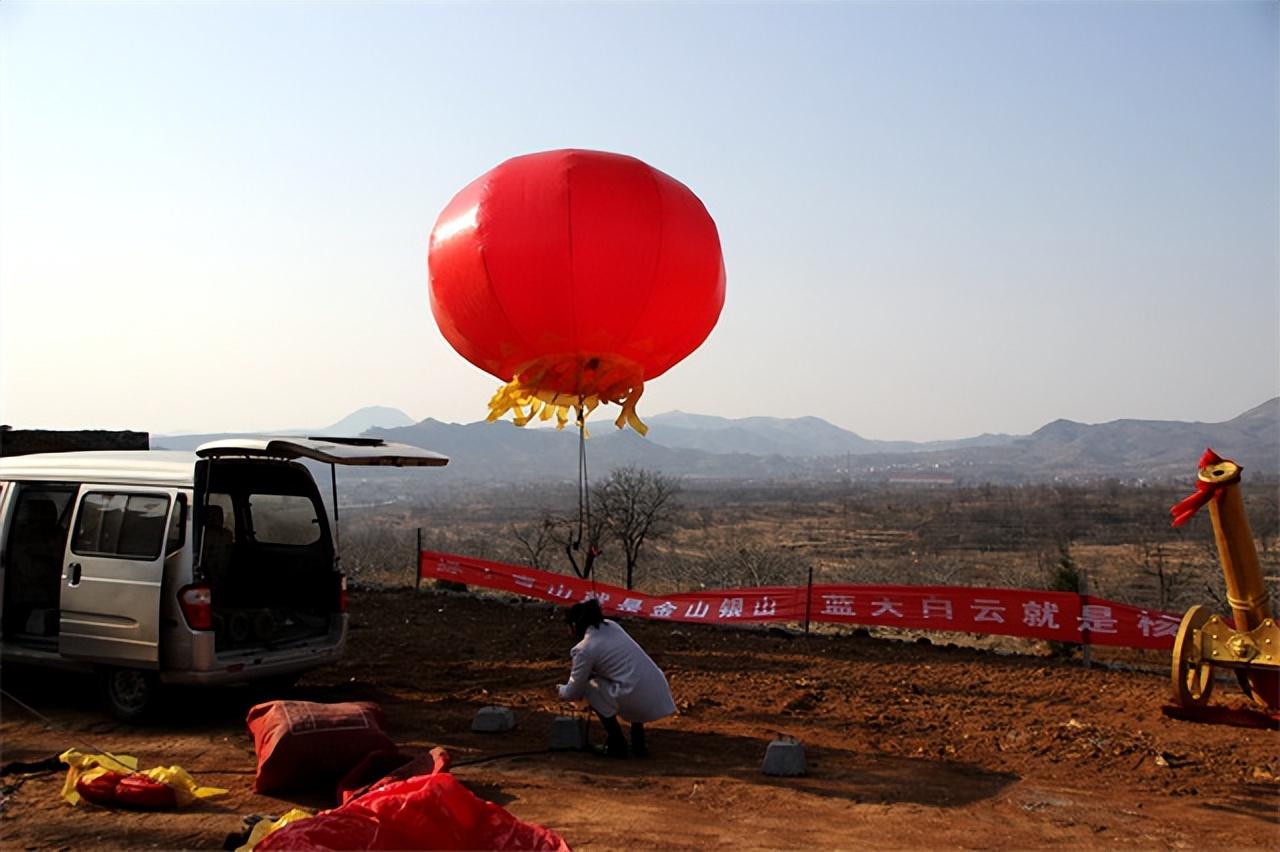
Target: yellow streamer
column 572, row 385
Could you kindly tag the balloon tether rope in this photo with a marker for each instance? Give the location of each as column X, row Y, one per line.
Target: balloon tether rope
column 584, row 501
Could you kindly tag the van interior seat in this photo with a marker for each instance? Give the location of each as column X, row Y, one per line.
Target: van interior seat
column 219, row 542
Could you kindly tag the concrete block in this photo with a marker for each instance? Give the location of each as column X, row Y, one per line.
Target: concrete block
column 493, row 720
column 784, row 756
column 568, row 733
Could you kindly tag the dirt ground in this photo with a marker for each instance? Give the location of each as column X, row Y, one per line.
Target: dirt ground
column 908, row 745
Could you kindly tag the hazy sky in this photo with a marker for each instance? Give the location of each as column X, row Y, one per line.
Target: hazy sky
column 937, row 220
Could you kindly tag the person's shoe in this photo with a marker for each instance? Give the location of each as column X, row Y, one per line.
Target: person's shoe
column 616, row 747
column 609, row 749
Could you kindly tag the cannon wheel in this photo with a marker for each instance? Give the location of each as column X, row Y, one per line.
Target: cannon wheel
column 1192, row 676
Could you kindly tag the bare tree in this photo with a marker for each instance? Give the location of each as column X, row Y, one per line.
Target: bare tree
column 751, row 565
column 1153, row 562
column 636, row 505
column 536, row 540
column 578, row 537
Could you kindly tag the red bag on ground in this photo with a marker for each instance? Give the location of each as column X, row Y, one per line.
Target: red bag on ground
column 129, row 790
column 100, row 790
column 139, row 791
column 424, row 812
column 305, row 745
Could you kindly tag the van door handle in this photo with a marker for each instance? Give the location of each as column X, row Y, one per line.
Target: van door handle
column 73, row 574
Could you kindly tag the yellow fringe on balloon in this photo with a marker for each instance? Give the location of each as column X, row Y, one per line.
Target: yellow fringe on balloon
column 570, row 387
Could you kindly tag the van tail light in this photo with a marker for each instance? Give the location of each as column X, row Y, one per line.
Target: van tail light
column 342, row 593
column 197, row 606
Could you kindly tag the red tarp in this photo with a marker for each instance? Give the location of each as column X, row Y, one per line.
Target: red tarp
column 430, row 811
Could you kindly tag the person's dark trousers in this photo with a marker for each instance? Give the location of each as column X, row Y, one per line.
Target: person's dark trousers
column 616, row 743
column 638, row 747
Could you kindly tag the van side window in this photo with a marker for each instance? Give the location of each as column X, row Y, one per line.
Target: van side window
column 128, row 526
column 177, row 535
column 284, row 519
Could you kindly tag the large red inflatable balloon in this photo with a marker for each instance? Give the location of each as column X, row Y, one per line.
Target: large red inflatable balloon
column 575, row 277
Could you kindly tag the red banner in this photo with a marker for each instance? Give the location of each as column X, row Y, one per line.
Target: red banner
column 1056, row 616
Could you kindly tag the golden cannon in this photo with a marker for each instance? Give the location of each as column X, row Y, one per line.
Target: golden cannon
column 1206, row 642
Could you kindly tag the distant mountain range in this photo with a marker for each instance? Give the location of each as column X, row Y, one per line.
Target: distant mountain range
column 1160, row 447
column 702, row 447
column 356, row 423
column 794, row 437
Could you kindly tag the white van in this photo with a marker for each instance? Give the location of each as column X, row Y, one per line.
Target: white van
column 153, row 567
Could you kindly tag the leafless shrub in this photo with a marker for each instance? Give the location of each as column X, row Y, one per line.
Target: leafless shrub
column 377, row 553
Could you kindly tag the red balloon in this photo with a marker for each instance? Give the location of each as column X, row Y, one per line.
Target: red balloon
column 574, row 276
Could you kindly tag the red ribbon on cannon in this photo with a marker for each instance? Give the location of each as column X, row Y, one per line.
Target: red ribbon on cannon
column 1205, row 491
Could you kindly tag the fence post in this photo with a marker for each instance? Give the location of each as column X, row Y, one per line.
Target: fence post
column 417, row 563
column 808, row 600
column 1084, row 623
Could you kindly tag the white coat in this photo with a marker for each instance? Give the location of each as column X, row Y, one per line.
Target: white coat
column 617, row 677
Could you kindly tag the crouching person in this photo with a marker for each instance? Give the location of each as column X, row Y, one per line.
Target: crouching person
column 616, row 677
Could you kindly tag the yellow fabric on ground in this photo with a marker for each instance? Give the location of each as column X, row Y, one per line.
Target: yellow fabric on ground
column 262, row 827
column 84, row 764
column 89, row 766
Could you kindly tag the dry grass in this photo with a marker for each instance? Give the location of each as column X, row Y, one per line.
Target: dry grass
column 986, row 536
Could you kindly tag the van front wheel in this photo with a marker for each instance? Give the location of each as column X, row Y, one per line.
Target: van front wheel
column 130, row 694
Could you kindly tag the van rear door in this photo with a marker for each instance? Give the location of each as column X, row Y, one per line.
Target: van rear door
column 112, row 574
